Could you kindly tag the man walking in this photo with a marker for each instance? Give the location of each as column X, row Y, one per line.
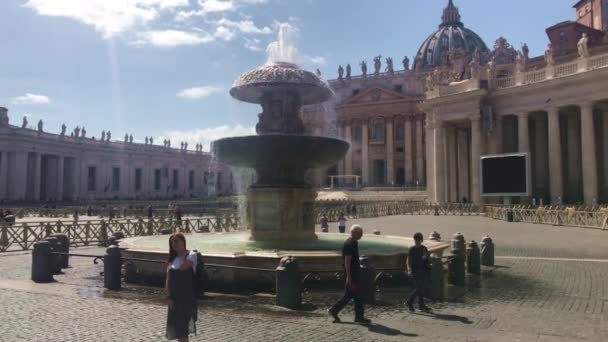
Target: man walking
column 352, row 288
column 418, row 268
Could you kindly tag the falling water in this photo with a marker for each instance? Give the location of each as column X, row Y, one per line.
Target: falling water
column 283, row 49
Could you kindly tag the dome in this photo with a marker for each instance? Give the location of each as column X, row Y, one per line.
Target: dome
column 451, row 35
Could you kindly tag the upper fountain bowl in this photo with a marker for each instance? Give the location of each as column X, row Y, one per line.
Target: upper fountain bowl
column 280, row 77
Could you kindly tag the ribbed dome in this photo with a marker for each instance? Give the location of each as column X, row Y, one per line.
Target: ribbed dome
column 451, row 35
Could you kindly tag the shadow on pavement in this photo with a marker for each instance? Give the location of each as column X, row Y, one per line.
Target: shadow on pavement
column 446, row 317
column 384, row 330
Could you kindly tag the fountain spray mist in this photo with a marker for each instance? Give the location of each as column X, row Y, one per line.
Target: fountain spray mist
column 283, row 50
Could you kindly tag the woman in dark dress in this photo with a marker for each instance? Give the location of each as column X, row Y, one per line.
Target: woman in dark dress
column 183, row 308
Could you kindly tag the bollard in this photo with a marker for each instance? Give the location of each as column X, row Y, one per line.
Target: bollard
column 42, row 269
column 54, row 258
column 112, row 265
column 201, row 275
column 457, row 261
column 288, row 284
column 64, row 247
column 487, row 251
column 437, row 286
column 473, row 258
column 366, row 281
column 435, row 236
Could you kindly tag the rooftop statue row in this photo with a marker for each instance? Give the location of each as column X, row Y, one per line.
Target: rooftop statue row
column 389, row 70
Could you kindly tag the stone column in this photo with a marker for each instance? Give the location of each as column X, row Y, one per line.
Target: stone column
column 495, row 143
column 430, row 167
column 452, row 169
column 408, row 148
column 76, row 178
column 605, row 147
column 390, row 157
column 4, row 181
column 463, row 164
column 475, row 158
column 590, row 184
column 365, row 153
column 573, row 176
column 440, row 164
column 60, row 163
column 555, row 155
column 37, row 175
column 19, row 184
column 420, row 152
column 523, row 135
column 341, row 136
column 348, row 160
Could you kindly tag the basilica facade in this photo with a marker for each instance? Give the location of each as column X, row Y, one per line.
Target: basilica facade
column 431, row 122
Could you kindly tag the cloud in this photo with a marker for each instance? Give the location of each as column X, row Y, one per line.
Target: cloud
column 245, row 26
column 172, row 38
column 224, row 33
column 108, row 17
column 317, row 60
column 32, row 99
column 198, row 92
column 205, row 135
column 253, row 44
column 215, row 6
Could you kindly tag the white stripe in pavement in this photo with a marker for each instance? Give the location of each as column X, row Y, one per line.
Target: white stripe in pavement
column 551, row 259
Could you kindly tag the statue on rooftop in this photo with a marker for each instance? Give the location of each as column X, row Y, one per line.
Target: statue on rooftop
column 77, row 131
column 406, row 63
column 151, row 141
column 24, row 122
column 103, row 135
column 146, row 141
column 583, row 46
column 130, row 138
column 63, row 128
column 389, row 66
column 549, row 55
column 126, row 138
column 318, row 72
column 348, row 71
column 340, row 72
column 83, row 133
column 363, row 65
column 526, row 51
column 108, row 136
column 520, row 63
column 40, row 125
column 377, row 65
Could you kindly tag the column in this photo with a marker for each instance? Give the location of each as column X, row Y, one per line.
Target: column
column 573, row 176
column 475, row 158
column 4, row 175
column 408, row 148
column 19, row 184
column 348, row 161
column 605, row 147
column 76, row 176
column 341, row 162
column 463, row 164
column 430, row 166
column 365, row 153
column 495, row 143
column 452, row 175
column 60, row 163
column 523, row 136
column 37, row 175
column 589, row 162
column 390, row 158
column 439, row 161
column 555, row 155
column 420, row 153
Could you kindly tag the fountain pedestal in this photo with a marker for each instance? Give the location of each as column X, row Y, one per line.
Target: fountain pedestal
column 281, row 214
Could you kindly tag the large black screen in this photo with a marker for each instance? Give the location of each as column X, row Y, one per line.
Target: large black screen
column 504, row 175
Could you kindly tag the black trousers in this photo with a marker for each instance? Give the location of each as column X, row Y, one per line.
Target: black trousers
column 342, row 229
column 348, row 295
column 419, row 289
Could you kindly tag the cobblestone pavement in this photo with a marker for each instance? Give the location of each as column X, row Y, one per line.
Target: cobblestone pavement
column 551, row 284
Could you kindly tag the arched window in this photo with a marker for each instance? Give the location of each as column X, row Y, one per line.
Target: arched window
column 378, row 130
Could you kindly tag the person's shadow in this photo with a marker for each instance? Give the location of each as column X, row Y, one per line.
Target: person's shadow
column 445, row 317
column 383, row 330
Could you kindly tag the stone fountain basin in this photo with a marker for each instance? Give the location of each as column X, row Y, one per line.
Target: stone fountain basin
column 280, row 150
column 235, row 249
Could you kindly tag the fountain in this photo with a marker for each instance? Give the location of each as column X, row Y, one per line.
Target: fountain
column 280, row 204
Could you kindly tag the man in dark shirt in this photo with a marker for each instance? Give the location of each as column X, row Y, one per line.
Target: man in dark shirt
column 352, row 288
column 418, row 268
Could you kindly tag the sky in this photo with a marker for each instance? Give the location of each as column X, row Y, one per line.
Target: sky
column 163, row 68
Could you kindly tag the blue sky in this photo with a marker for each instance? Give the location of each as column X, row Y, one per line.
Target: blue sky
column 163, row 68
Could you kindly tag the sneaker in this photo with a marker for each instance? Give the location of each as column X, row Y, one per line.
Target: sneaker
column 334, row 316
column 410, row 306
column 424, row 308
column 363, row 320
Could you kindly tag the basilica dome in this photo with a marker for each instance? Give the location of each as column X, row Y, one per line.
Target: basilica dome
column 451, row 35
